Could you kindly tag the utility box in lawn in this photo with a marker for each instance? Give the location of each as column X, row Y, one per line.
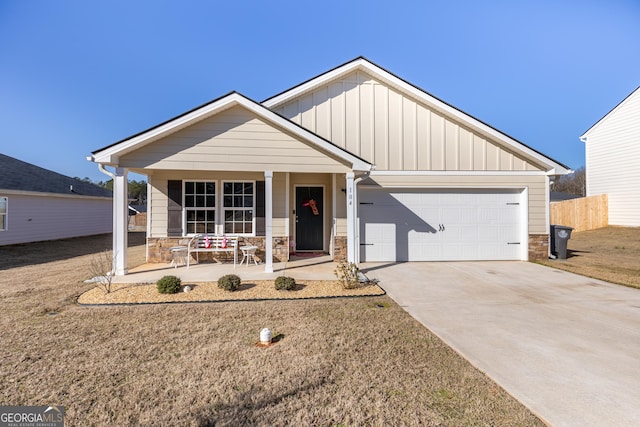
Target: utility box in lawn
column 560, row 235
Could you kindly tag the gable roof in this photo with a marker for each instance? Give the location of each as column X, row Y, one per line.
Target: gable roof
column 585, row 135
column 111, row 153
column 374, row 70
column 25, row 177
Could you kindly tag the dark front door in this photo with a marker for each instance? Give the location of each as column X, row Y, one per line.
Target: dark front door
column 309, row 218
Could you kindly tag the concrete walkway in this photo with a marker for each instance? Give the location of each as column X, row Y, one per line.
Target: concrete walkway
column 566, row 346
column 302, row 268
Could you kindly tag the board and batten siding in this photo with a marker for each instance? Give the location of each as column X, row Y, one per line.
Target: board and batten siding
column 232, row 140
column 613, row 161
column 40, row 217
column 157, row 222
column 394, row 131
column 536, row 184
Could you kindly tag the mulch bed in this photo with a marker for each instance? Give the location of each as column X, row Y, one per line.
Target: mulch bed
column 210, row 292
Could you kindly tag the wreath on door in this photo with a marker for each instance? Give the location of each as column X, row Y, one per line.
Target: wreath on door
column 312, row 204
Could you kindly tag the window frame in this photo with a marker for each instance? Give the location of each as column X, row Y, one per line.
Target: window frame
column 4, row 224
column 252, row 208
column 186, row 209
column 219, row 209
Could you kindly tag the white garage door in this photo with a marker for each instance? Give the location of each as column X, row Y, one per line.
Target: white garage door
column 440, row 225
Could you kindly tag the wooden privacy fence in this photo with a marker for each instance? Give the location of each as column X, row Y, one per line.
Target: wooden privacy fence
column 585, row 213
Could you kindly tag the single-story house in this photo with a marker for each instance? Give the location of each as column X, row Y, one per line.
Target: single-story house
column 37, row 204
column 612, row 148
column 355, row 162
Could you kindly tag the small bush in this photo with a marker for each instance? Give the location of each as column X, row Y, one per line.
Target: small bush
column 285, row 283
column 229, row 282
column 347, row 274
column 169, row 285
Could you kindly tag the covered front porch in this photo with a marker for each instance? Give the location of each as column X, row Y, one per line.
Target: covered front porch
column 233, row 167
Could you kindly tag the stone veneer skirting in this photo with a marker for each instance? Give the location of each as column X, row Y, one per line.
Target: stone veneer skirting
column 159, row 248
column 538, row 246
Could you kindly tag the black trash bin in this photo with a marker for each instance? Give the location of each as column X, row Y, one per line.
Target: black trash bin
column 560, row 234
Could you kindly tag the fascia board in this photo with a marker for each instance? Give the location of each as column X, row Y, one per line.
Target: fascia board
column 604, row 118
column 110, row 155
column 406, row 87
column 458, row 173
column 461, row 116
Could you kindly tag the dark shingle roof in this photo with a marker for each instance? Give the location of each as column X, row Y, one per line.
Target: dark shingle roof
column 22, row 176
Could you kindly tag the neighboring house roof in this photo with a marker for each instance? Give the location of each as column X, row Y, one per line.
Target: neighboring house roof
column 633, row 94
column 111, row 153
column 559, row 196
column 24, row 177
column 433, row 102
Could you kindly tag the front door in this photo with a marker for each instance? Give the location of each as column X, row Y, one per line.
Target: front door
column 309, row 219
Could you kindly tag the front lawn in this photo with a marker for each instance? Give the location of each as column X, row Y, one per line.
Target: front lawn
column 361, row 361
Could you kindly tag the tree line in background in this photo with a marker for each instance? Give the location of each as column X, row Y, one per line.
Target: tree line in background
column 574, row 183
column 137, row 189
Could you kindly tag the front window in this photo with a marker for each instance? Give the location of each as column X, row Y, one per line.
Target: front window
column 200, row 206
column 3, row 213
column 238, row 204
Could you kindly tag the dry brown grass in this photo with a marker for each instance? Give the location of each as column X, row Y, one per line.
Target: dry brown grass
column 611, row 254
column 361, row 361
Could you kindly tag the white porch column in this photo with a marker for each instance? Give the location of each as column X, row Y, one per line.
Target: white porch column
column 120, row 221
column 268, row 213
column 351, row 219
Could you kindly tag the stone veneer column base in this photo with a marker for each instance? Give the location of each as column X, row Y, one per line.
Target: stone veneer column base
column 340, row 248
column 538, row 246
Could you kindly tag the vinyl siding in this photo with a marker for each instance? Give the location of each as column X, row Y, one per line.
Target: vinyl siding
column 234, row 139
column 612, row 159
column 535, row 183
column 158, row 201
column 394, row 131
column 33, row 218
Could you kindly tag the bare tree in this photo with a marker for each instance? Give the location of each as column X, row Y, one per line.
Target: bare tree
column 102, row 270
column 574, row 183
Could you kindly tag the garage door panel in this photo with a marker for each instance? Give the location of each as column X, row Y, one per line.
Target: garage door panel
column 439, row 225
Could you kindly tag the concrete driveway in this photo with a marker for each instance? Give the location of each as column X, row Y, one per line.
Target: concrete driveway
column 566, row 346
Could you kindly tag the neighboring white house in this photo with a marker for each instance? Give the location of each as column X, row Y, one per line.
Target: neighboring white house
column 38, row 204
column 355, row 162
column 613, row 160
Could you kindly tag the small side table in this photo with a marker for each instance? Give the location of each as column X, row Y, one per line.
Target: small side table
column 249, row 253
column 179, row 255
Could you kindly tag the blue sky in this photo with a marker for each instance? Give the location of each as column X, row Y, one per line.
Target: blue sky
column 76, row 76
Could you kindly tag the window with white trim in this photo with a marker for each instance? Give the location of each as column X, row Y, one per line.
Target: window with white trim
column 238, row 201
column 200, row 206
column 3, row 213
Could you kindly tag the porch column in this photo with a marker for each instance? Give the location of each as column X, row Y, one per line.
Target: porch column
column 351, row 219
column 268, row 214
column 120, row 221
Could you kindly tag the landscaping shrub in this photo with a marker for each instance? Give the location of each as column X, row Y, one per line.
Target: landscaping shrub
column 347, row 274
column 169, row 285
column 285, row 283
column 229, row 282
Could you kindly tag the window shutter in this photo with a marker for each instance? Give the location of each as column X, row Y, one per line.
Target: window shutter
column 174, row 207
column 260, row 225
column 260, row 199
